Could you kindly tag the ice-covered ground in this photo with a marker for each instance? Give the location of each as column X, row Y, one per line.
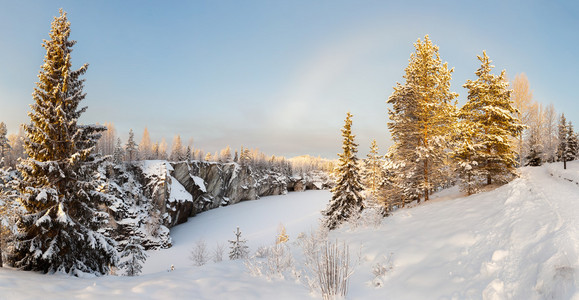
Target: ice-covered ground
column 519, row 241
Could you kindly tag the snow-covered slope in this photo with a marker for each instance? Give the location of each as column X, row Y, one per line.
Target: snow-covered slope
column 519, row 241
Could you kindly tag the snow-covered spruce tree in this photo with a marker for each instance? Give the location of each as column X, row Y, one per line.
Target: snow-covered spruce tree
column 238, row 248
column 347, row 200
column 372, row 174
column 562, row 146
column 58, row 190
column 118, row 153
column 421, row 117
column 134, row 255
column 490, row 109
column 572, row 143
column 131, row 148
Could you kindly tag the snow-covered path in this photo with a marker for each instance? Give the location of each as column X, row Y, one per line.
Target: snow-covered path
column 562, row 196
column 516, row 242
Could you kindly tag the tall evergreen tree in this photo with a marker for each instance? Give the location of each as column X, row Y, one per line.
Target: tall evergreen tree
column 421, row 117
column 373, row 169
column 347, row 200
column 131, row 148
column 59, row 190
column 118, row 153
column 490, row 109
column 572, row 143
column 562, row 146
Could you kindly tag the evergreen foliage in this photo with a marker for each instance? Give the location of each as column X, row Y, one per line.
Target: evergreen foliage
column 134, row 256
column 58, row 189
column 238, row 248
column 562, row 146
column 8, row 210
column 372, row 175
column 421, row 117
column 118, row 153
column 490, row 110
column 131, row 148
column 347, row 200
column 572, row 143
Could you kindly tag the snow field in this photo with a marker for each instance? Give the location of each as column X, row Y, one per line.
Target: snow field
column 518, row 241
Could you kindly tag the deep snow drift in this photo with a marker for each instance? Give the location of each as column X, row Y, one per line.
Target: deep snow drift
column 519, row 241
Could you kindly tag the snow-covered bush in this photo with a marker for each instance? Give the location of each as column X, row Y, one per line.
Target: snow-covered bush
column 282, row 236
column 279, row 259
column 327, row 263
column 331, row 267
column 274, row 261
column 218, row 252
column 262, row 252
column 380, row 270
column 371, row 217
column 199, row 254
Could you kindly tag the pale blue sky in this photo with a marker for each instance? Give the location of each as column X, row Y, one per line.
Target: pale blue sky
column 278, row 75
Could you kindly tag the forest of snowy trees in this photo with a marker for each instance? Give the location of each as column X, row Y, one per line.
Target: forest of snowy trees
column 436, row 144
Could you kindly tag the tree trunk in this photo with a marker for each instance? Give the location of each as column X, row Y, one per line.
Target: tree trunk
column 564, row 163
column 426, row 180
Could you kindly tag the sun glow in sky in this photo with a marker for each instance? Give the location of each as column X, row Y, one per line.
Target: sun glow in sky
column 278, row 75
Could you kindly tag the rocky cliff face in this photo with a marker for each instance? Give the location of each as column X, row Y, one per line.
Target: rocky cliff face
column 173, row 192
column 213, row 184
